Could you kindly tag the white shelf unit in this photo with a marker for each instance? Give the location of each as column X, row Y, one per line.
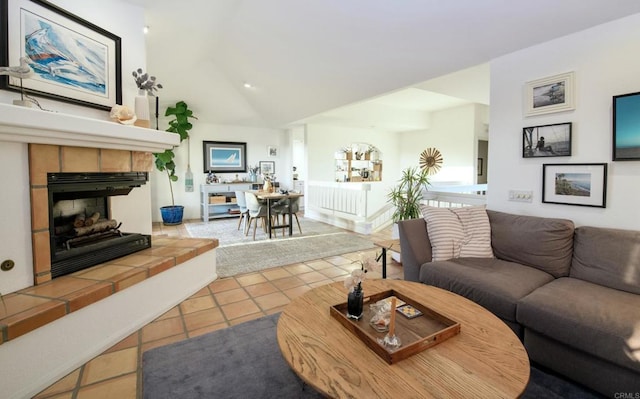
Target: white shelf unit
column 210, row 211
column 351, row 170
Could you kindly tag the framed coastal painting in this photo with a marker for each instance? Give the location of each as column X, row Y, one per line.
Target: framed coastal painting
column 551, row 94
column 547, row 141
column 72, row 59
column 224, row 156
column 267, row 167
column 626, row 127
column 575, row 184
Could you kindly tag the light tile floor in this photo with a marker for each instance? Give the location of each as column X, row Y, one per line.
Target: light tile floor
column 117, row 373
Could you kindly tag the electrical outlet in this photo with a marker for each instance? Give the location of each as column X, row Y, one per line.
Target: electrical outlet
column 520, row 195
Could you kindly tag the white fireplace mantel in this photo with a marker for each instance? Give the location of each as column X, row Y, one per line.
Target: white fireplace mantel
column 28, row 125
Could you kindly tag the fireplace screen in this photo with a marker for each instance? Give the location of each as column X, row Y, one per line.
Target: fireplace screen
column 82, row 231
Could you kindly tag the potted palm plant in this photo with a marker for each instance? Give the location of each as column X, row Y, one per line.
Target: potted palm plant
column 172, row 214
column 406, row 197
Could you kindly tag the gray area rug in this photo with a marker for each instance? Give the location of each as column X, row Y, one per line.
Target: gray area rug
column 227, row 233
column 244, row 361
column 253, row 256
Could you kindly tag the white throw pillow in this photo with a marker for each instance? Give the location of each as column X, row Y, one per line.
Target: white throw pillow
column 458, row 232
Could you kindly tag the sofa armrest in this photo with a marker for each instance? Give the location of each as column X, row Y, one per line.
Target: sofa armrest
column 415, row 247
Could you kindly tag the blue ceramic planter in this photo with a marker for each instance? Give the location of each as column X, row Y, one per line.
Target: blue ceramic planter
column 172, row 215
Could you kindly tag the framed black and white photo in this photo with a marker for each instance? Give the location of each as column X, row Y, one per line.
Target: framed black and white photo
column 267, row 167
column 73, row 60
column 575, row 184
column 552, row 94
column 547, row 141
column 626, row 127
column 224, row 156
column 272, row 151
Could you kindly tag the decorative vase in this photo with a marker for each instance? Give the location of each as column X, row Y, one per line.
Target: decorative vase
column 253, row 177
column 267, row 187
column 355, row 304
column 141, row 107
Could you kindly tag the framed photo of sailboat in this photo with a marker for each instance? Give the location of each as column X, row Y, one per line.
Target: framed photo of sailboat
column 224, row 156
column 72, row 59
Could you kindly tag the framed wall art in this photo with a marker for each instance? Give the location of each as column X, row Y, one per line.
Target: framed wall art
column 73, row 60
column 267, row 167
column 626, row 127
column 224, row 156
column 547, row 141
column 272, row 151
column 575, row 184
column 552, row 94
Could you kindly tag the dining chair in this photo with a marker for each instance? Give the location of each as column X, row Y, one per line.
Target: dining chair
column 282, row 208
column 257, row 210
column 244, row 212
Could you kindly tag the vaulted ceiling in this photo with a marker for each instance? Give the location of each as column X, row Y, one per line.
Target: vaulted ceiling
column 309, row 58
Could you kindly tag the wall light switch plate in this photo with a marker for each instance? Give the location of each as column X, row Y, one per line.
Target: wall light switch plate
column 520, row 195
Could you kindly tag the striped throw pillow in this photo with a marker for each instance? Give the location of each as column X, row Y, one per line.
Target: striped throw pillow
column 458, row 232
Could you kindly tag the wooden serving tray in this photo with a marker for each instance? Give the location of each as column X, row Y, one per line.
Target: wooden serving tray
column 416, row 334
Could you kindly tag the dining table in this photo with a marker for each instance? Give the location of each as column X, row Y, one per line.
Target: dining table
column 270, row 198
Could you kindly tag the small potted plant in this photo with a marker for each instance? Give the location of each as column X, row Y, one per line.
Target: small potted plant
column 172, row 214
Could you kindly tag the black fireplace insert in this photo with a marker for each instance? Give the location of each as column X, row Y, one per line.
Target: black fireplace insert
column 82, row 230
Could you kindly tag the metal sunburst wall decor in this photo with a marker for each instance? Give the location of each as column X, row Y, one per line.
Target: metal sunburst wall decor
column 431, row 160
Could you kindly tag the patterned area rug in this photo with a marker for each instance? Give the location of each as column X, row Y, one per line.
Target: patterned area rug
column 258, row 255
column 227, row 233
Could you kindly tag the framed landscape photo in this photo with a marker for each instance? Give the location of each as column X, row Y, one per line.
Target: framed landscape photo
column 547, row 141
column 575, row 184
column 626, row 127
column 224, row 156
column 552, row 94
column 73, row 60
column 267, row 167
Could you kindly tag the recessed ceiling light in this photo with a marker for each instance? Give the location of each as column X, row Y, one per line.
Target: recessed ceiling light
column 145, row 30
column 247, row 85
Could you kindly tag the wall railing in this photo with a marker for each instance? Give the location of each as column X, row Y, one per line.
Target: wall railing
column 346, row 205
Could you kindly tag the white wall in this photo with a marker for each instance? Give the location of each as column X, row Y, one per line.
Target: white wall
column 323, row 141
column 606, row 62
column 452, row 132
column 257, row 139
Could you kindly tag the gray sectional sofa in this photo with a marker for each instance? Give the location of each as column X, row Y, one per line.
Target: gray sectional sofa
column 571, row 294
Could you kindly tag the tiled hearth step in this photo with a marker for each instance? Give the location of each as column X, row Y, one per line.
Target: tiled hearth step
column 33, row 307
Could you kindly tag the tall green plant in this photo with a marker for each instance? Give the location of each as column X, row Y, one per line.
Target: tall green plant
column 406, row 196
column 180, row 125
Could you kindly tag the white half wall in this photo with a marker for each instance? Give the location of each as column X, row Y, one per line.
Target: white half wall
column 37, row 359
column 324, row 140
column 606, row 62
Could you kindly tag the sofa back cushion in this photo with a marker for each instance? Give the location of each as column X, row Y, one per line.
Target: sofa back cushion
column 458, row 232
column 543, row 243
column 608, row 257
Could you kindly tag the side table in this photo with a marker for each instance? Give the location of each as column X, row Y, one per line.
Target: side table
column 386, row 245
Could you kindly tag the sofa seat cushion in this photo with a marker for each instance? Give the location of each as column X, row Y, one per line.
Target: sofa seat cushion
column 494, row 284
column 598, row 320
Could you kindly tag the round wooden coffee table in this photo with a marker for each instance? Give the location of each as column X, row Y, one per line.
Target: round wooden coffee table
column 485, row 360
